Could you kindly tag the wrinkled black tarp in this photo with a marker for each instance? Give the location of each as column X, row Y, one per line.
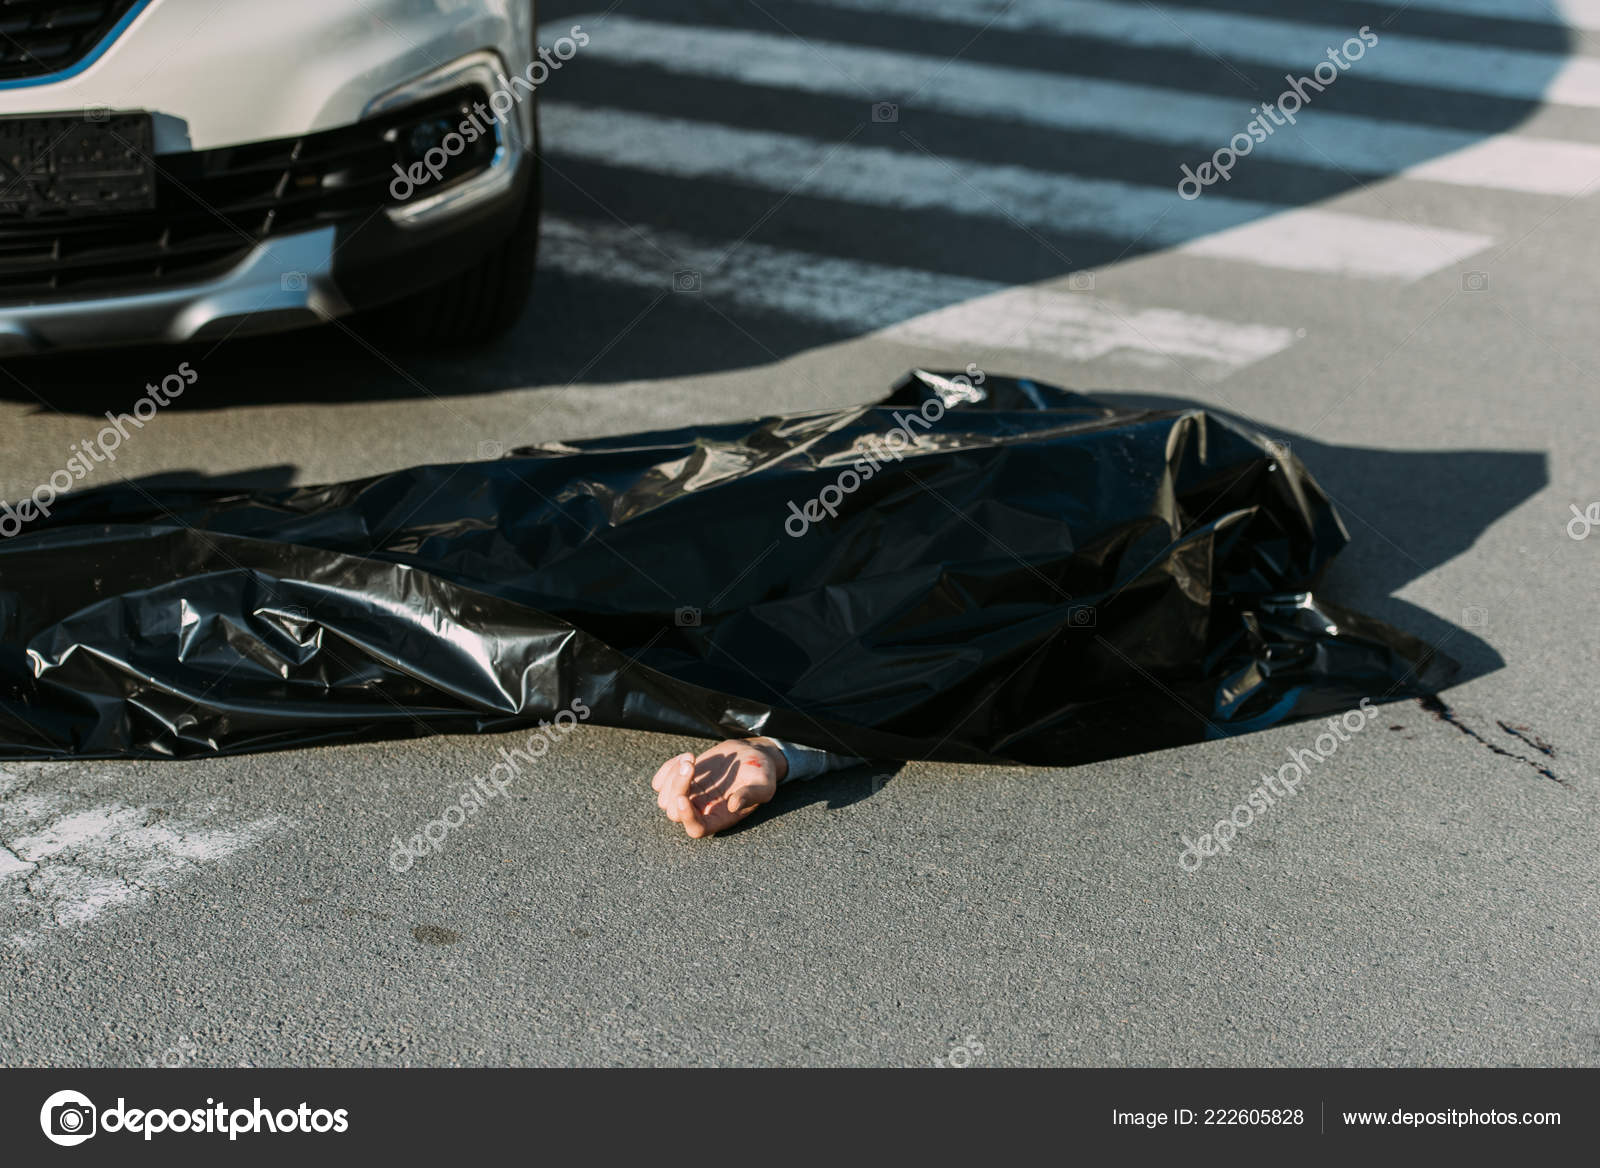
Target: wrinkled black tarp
column 1036, row 578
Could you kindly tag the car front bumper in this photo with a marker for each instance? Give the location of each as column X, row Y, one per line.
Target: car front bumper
column 286, row 282
column 331, row 239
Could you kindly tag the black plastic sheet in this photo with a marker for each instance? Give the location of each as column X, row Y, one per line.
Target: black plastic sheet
column 1000, row 572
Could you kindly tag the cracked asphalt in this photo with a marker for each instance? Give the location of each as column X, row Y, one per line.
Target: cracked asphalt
column 1429, row 897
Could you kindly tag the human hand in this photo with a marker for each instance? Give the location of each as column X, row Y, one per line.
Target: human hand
column 713, row 791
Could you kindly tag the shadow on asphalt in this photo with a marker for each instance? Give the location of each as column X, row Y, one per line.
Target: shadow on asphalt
column 1408, row 513
column 839, row 790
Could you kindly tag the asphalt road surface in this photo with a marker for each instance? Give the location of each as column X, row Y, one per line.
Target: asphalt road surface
column 762, row 206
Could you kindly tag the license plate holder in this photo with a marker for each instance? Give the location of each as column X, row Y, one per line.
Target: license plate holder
column 77, row 165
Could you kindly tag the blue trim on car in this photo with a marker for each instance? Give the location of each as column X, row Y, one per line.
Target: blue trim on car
column 88, row 59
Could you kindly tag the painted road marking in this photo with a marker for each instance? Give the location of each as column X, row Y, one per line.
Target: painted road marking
column 1321, row 138
column 909, row 306
column 1263, row 234
column 66, row 861
column 1492, row 70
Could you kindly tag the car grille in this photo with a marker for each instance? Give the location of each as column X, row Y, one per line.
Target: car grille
column 212, row 207
column 43, row 36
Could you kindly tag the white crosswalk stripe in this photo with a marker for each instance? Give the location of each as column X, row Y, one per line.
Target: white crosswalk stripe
column 1492, row 70
column 1322, row 138
column 914, row 307
column 66, row 860
column 889, row 167
column 1301, row 240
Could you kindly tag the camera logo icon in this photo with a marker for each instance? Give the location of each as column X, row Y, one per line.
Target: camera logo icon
column 687, row 618
column 1583, row 522
column 686, row 280
column 96, row 113
column 68, row 1118
column 1475, row 281
column 885, row 112
column 293, row 282
column 1082, row 616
